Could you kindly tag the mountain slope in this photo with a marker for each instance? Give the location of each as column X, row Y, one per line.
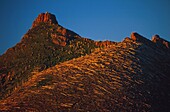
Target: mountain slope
column 132, row 75
column 44, row 45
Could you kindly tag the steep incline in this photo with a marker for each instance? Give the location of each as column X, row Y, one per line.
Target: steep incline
column 44, row 45
column 130, row 76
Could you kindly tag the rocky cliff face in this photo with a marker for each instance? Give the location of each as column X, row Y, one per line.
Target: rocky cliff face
column 45, row 18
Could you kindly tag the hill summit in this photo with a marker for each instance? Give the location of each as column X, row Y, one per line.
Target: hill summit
column 45, row 18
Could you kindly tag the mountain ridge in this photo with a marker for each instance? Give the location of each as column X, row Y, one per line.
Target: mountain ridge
column 121, row 77
column 54, row 68
column 43, row 46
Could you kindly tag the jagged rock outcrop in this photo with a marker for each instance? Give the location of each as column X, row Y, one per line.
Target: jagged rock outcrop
column 135, row 36
column 104, row 43
column 139, row 38
column 155, row 39
column 160, row 41
column 45, row 18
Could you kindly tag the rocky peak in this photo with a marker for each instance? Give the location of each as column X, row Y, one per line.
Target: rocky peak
column 46, row 18
column 136, row 37
column 158, row 40
column 139, row 38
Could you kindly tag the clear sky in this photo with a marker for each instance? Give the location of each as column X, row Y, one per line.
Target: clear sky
column 95, row 19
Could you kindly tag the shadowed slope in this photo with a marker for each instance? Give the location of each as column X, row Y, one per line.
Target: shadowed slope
column 122, row 77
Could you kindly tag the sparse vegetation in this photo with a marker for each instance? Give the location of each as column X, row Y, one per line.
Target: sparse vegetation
column 132, row 75
column 37, row 52
column 46, row 81
column 115, row 78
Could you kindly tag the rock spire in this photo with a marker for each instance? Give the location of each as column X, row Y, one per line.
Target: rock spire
column 46, row 18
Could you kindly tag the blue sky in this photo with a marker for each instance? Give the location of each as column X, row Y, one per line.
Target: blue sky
column 95, row 19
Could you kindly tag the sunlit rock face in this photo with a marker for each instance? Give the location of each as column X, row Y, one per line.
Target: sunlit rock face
column 104, row 43
column 45, row 18
column 139, row 38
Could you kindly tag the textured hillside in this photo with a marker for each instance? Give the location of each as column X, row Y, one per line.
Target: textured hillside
column 132, row 75
column 44, row 45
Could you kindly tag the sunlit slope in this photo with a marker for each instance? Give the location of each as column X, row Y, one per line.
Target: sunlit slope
column 44, row 45
column 129, row 76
